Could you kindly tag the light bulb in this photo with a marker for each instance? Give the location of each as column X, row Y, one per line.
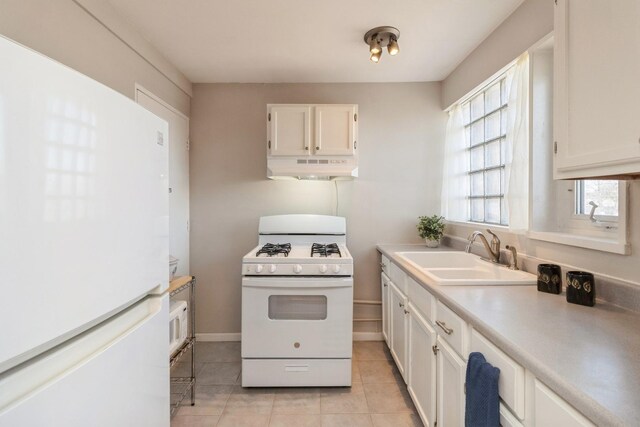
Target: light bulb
column 374, row 46
column 375, row 57
column 393, row 47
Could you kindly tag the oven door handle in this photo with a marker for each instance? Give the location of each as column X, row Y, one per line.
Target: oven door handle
column 297, row 286
column 273, row 283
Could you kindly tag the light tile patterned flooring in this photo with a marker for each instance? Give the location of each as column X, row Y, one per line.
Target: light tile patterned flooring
column 377, row 398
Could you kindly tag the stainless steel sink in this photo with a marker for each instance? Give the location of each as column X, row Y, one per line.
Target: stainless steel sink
column 460, row 268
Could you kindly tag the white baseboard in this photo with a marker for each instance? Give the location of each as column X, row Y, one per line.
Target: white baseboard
column 367, row 336
column 213, row 337
column 216, row 337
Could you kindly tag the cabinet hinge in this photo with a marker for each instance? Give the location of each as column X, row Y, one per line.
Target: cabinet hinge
column 269, row 116
column 435, row 349
column 555, row 147
column 188, row 144
column 355, row 117
column 355, row 144
column 269, row 145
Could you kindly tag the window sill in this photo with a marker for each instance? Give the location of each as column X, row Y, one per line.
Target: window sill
column 595, row 243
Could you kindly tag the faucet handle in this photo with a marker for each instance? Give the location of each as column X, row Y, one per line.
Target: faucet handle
column 495, row 242
column 495, row 237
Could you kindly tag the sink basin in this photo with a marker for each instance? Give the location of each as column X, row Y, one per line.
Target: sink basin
column 460, row 268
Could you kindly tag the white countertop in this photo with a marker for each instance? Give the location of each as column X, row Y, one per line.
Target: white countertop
column 590, row 356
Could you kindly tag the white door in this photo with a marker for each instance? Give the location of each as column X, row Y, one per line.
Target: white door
column 422, row 366
column 178, row 176
column 553, row 411
column 450, row 383
column 289, row 317
column 116, row 374
column 83, row 203
column 596, row 124
column 335, row 130
column 384, row 281
column 289, row 130
column 398, row 328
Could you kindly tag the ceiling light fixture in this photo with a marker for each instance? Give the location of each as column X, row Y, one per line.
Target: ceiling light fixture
column 379, row 37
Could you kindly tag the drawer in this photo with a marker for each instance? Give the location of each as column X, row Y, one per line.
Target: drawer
column 511, row 381
column 398, row 277
column 296, row 372
column 452, row 329
column 384, row 264
column 507, row 419
column 421, row 299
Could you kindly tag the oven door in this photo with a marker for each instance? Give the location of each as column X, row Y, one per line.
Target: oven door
column 293, row 317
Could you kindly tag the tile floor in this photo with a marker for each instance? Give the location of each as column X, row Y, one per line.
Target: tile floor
column 377, row 398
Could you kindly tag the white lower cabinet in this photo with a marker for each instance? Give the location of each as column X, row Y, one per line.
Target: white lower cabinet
column 436, row 380
column 398, row 347
column 384, row 291
column 450, row 385
column 552, row 411
column 422, row 366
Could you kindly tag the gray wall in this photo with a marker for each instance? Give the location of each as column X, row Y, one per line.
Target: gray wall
column 524, row 27
column 401, row 132
column 64, row 31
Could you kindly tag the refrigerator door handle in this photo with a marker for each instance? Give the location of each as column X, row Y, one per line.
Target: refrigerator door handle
column 24, row 380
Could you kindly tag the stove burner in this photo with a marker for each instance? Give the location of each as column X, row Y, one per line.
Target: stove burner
column 325, row 250
column 274, row 249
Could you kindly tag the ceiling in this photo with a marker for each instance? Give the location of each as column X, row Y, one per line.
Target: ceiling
column 267, row 41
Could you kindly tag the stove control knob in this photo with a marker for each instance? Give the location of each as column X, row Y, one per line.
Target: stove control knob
column 272, row 268
column 336, row 268
column 323, row 268
column 297, row 269
column 259, row 268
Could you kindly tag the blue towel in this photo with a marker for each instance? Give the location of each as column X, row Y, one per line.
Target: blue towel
column 482, row 400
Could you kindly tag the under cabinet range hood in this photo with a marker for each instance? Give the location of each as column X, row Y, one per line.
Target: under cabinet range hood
column 312, row 168
column 312, row 141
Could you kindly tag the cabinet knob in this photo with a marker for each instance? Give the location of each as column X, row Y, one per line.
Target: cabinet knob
column 306, row 148
column 406, row 312
column 400, row 304
column 317, row 148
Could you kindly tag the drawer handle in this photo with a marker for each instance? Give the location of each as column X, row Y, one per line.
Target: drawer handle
column 406, row 312
column 443, row 325
column 400, row 305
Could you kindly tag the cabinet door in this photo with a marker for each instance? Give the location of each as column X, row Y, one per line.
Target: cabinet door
column 398, row 328
column 384, row 280
column 289, row 130
column 552, row 411
column 422, row 366
column 596, row 67
column 335, row 130
column 450, row 395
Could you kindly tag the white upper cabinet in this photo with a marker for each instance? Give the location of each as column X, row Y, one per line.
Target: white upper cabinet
column 312, row 130
column 335, row 130
column 289, row 130
column 596, row 69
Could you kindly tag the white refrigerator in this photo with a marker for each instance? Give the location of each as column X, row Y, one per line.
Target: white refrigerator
column 83, row 250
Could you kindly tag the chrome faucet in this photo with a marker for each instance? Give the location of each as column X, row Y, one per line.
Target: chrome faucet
column 493, row 249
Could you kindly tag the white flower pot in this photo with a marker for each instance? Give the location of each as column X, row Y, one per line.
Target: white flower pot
column 432, row 243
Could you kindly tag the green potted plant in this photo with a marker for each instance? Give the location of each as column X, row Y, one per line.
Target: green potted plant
column 431, row 229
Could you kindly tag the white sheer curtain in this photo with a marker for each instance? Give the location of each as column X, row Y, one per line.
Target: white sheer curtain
column 517, row 156
column 455, row 178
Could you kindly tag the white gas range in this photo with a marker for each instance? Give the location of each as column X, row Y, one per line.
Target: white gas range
column 297, row 304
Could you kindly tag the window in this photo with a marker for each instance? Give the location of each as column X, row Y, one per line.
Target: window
column 485, row 118
column 599, row 194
